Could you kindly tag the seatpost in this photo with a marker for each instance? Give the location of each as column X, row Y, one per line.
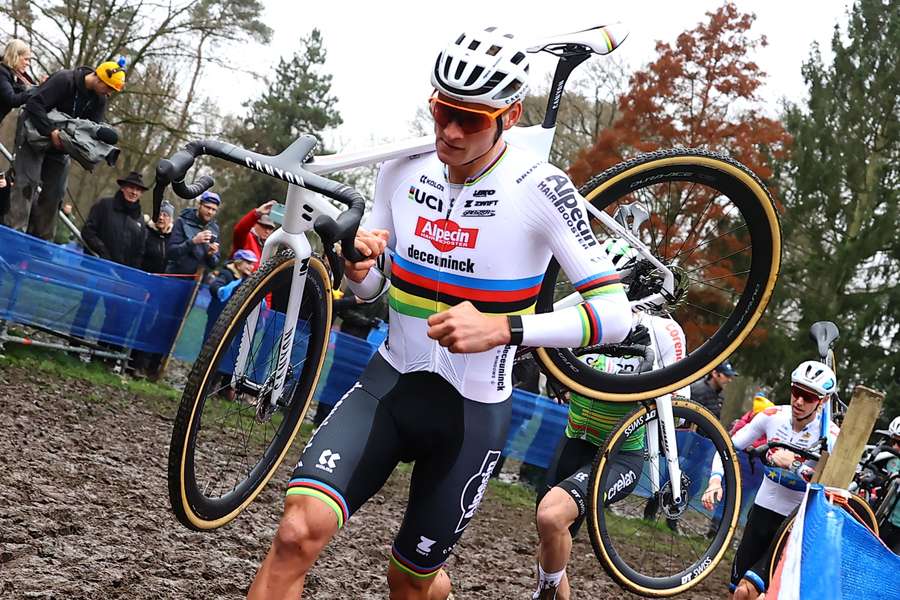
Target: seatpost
column 568, row 60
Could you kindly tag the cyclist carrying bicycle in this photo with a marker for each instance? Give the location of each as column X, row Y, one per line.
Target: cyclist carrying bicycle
column 472, row 228
column 785, row 474
column 562, row 503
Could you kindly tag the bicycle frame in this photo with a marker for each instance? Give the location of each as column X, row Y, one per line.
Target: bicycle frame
column 304, row 206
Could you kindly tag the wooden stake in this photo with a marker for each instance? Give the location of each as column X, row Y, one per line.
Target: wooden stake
column 865, row 405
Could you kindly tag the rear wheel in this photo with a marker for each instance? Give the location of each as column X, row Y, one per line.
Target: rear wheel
column 714, row 224
column 228, row 437
column 644, row 540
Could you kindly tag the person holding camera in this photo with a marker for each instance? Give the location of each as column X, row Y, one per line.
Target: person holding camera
column 42, row 172
column 195, row 237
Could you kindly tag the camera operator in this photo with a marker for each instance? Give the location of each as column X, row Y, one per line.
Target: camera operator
column 41, row 173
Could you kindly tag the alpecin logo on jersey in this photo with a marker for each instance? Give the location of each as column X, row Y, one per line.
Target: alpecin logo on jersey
column 445, row 235
column 429, row 200
column 560, row 191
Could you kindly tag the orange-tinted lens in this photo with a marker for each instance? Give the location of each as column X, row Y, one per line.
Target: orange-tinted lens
column 469, row 122
column 804, row 394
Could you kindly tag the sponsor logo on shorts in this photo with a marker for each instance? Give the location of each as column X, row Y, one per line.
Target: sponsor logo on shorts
column 327, row 420
column 328, row 460
column 625, row 479
column 446, row 235
column 424, row 545
column 475, row 488
column 580, row 477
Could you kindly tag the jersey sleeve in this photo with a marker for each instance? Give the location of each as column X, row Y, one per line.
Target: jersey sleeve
column 554, row 210
column 376, row 281
column 744, row 438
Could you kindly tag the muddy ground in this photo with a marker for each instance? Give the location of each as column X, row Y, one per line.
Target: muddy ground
column 84, row 514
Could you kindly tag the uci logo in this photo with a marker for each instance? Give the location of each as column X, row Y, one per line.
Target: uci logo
column 420, row 197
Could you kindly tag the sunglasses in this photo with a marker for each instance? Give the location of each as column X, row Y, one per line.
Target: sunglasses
column 805, row 394
column 470, row 120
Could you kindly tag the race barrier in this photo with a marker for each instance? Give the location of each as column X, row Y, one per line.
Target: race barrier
column 59, row 289
column 831, row 556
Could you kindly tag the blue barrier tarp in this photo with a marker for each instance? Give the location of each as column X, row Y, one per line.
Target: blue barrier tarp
column 54, row 287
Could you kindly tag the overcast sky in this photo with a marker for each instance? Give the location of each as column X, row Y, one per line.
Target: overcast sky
column 380, row 53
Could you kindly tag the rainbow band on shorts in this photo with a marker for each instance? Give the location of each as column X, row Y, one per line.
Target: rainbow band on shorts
column 410, row 568
column 324, row 492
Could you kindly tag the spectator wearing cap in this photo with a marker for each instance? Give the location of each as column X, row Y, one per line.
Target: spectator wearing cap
column 158, row 234
column 115, row 229
column 230, row 277
column 710, row 391
column 195, row 237
column 41, row 174
column 251, row 232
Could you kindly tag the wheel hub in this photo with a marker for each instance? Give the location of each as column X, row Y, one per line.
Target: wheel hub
column 670, row 508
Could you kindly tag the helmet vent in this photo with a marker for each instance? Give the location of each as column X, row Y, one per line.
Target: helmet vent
column 459, row 70
column 460, row 39
column 493, row 50
column 474, row 44
column 519, row 57
column 476, row 73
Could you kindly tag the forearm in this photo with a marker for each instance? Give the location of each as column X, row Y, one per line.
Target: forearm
column 601, row 320
column 370, row 288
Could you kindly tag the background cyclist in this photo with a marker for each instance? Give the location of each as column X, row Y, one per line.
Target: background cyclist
column 890, row 529
column 785, row 474
column 472, row 228
column 562, row 501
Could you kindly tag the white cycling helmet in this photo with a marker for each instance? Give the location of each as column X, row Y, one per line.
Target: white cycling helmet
column 815, row 376
column 894, row 427
column 485, row 67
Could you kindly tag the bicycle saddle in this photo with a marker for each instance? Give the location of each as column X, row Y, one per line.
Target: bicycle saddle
column 823, row 333
column 601, row 39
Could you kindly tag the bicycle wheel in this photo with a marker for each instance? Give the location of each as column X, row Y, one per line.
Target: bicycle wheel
column 645, row 541
column 714, row 224
column 228, row 440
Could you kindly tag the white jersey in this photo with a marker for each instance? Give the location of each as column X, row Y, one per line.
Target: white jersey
column 488, row 241
column 781, row 490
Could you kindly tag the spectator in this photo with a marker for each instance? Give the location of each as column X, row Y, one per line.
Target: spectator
column 4, row 194
column 232, row 275
column 41, row 174
column 15, row 83
column 760, row 403
column 253, row 229
column 158, row 234
column 710, row 391
column 890, row 528
column 62, row 234
column 195, row 237
column 114, row 229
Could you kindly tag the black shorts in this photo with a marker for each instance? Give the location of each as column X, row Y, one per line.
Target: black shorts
column 571, row 469
column 388, row 417
column 751, row 561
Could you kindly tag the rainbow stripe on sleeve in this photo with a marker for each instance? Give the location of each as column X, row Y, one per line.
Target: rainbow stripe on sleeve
column 419, row 291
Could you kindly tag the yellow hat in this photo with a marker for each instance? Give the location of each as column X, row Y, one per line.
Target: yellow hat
column 111, row 74
column 761, row 403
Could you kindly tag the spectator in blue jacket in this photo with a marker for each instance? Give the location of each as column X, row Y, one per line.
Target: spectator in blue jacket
column 232, row 275
column 195, row 237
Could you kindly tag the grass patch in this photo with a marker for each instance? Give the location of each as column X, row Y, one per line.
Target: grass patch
column 513, row 494
column 66, row 367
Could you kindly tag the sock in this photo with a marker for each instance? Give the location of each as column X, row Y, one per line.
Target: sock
column 548, row 583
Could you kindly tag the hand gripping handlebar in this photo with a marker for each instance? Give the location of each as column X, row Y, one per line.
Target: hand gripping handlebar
column 286, row 166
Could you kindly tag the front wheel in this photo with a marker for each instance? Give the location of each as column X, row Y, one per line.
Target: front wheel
column 714, row 225
column 646, row 539
column 230, row 433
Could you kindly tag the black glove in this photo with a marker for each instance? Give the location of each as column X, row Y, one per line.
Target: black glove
column 639, row 336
